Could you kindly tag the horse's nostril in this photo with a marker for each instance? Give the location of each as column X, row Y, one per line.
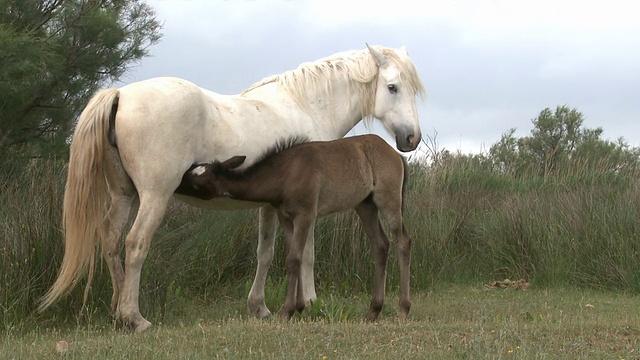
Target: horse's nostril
column 410, row 139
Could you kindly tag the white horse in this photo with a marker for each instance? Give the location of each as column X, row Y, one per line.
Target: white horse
column 135, row 143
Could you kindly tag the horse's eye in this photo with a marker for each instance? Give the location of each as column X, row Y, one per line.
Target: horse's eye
column 392, row 88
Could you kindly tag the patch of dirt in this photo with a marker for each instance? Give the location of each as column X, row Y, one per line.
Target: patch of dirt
column 506, row 284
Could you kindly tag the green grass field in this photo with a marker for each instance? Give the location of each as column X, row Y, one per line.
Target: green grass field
column 446, row 323
column 573, row 236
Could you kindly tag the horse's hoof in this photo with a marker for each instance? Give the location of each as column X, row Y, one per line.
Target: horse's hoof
column 144, row 326
column 138, row 325
column 259, row 312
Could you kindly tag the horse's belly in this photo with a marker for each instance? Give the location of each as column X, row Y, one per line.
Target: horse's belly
column 219, row 203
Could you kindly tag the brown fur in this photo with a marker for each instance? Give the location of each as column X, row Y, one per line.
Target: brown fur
column 310, row 180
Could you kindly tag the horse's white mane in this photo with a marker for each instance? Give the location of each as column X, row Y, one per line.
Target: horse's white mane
column 359, row 66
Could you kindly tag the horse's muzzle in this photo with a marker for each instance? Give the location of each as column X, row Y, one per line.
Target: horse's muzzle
column 408, row 142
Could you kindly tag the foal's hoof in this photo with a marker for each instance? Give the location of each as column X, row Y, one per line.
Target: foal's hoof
column 372, row 316
column 402, row 315
column 374, row 310
column 285, row 316
column 302, row 309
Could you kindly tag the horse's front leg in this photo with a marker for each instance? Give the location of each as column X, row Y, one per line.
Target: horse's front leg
column 266, row 240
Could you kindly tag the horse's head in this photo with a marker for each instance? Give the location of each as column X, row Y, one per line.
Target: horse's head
column 395, row 100
column 209, row 179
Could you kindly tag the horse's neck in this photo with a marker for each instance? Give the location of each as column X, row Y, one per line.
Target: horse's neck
column 334, row 112
column 343, row 106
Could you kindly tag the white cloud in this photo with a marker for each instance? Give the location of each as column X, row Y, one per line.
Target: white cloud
column 488, row 65
column 487, row 15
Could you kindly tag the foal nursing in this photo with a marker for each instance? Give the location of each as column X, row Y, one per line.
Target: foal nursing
column 308, row 180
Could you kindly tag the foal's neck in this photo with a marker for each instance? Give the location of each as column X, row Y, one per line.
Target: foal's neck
column 259, row 184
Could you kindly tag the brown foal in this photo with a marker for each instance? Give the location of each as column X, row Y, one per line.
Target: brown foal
column 307, row 180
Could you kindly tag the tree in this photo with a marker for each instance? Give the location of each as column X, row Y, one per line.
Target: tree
column 504, row 153
column 558, row 140
column 554, row 137
column 54, row 54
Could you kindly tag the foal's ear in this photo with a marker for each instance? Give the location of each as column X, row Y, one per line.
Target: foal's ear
column 234, row 162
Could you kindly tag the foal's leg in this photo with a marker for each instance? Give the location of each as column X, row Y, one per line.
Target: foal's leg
column 368, row 213
column 302, row 225
column 393, row 215
column 256, row 305
column 306, row 271
column 404, row 259
column 267, row 237
column 306, row 280
column 150, row 213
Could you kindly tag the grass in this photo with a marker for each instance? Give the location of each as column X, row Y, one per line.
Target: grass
column 452, row 321
column 574, row 236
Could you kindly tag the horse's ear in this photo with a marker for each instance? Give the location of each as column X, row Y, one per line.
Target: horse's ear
column 403, row 50
column 379, row 57
column 234, row 162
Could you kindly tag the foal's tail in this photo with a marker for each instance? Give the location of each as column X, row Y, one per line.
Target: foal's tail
column 85, row 195
column 405, row 179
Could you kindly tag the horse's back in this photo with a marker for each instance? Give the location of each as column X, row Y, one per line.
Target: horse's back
column 161, row 126
column 163, row 98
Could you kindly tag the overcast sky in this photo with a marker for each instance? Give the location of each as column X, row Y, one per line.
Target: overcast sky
column 488, row 66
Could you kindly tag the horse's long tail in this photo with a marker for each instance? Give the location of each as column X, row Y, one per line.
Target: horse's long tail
column 85, row 196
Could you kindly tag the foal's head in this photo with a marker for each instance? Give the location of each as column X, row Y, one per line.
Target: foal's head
column 210, row 180
column 207, row 178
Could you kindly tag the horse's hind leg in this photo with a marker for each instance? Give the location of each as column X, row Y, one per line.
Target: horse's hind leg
column 267, row 236
column 123, row 194
column 368, row 213
column 150, row 214
column 115, row 221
